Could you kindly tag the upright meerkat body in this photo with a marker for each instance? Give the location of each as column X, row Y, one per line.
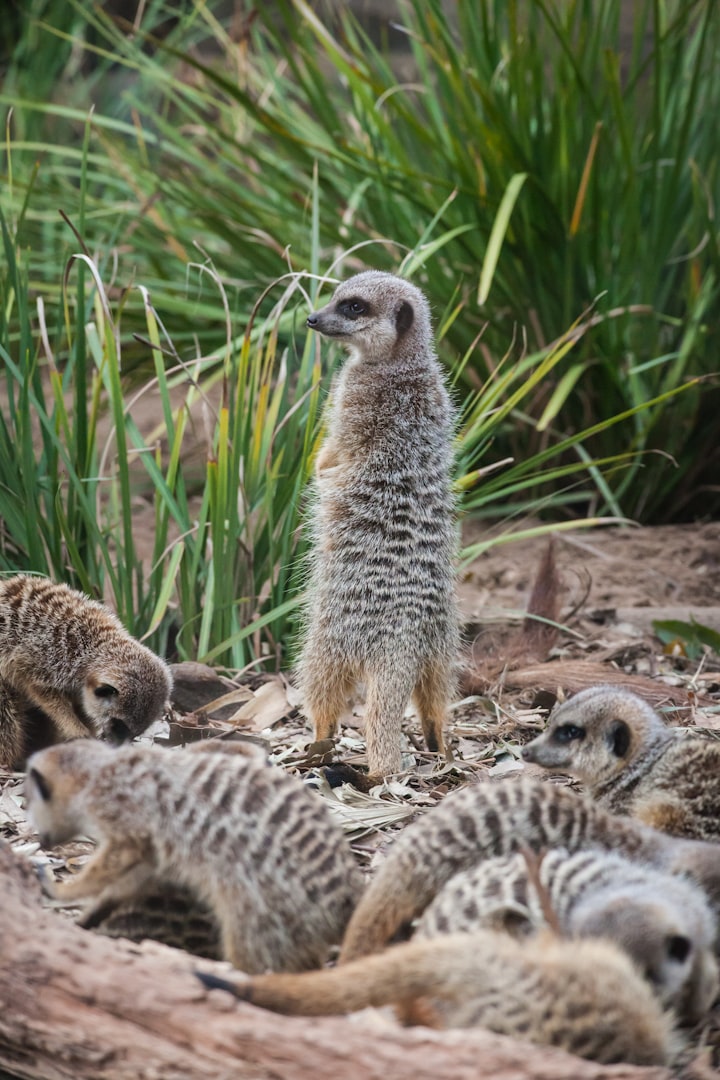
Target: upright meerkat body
column 583, row 996
column 71, row 658
column 662, row 921
column 245, row 838
column 381, row 598
column 484, row 820
column 632, row 763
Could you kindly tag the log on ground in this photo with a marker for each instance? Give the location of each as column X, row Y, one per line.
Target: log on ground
column 77, row 1005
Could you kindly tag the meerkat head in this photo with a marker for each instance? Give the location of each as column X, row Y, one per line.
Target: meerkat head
column 670, row 937
column 54, row 787
column 378, row 316
column 597, row 734
column 126, row 693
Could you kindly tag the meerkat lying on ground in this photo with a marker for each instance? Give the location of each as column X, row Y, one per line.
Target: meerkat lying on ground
column 489, row 819
column 632, row 763
column 583, row 996
column 381, row 604
column 245, row 838
column 662, row 921
column 71, row 658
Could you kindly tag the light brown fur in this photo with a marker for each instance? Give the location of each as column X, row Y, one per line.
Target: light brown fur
column 633, row 763
column 245, row 838
column 71, row 658
column 489, row 819
column 662, row 921
column 381, row 598
column 583, row 996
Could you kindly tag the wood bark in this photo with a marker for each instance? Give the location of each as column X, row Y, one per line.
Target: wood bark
column 76, row 1005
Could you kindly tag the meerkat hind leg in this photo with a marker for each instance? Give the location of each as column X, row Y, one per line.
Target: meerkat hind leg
column 431, row 696
column 326, row 694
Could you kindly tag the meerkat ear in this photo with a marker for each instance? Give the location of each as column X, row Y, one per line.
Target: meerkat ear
column 404, row 318
column 41, row 785
column 619, row 738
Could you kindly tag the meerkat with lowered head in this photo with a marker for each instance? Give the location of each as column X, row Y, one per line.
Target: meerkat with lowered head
column 245, row 838
column 585, row 996
column 382, row 588
column 71, row 658
column 661, row 920
column 490, row 819
column 632, row 763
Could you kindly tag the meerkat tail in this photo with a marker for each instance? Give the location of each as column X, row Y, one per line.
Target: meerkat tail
column 402, row 972
column 583, row 996
column 388, row 692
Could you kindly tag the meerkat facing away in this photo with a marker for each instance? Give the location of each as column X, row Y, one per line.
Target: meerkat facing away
column 70, row 657
column 633, row 763
column 245, row 838
column 489, row 819
column 382, row 586
column 662, row 921
column 585, row 996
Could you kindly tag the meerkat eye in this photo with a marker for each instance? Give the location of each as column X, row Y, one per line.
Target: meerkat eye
column 678, row 948
column 41, row 785
column 105, row 690
column 569, row 733
column 352, row 309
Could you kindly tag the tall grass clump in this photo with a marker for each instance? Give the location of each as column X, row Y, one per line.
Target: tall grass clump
column 176, row 490
column 587, row 129
column 176, row 499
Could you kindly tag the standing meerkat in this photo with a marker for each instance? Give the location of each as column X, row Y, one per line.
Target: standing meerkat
column 485, row 820
column 382, row 588
column 70, row 657
column 662, row 921
column 245, row 838
column 632, row 763
column 585, row 996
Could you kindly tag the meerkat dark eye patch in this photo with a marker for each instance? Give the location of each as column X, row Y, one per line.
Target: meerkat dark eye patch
column 619, row 738
column 404, row 318
column 105, row 690
column 569, row 733
column 41, row 785
column 678, row 948
column 353, row 308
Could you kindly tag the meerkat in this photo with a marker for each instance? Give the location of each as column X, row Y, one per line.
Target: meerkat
column 662, row 921
column 584, row 996
column 170, row 914
column 632, row 763
column 381, row 599
column 72, row 659
column 242, row 836
column 485, row 820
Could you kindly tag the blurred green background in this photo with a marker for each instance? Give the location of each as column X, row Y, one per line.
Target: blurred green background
column 178, row 179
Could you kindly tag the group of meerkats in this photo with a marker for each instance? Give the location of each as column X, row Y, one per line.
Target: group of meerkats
column 588, row 923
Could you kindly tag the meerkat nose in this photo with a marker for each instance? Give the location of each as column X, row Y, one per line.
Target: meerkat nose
column 527, row 753
column 312, row 321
